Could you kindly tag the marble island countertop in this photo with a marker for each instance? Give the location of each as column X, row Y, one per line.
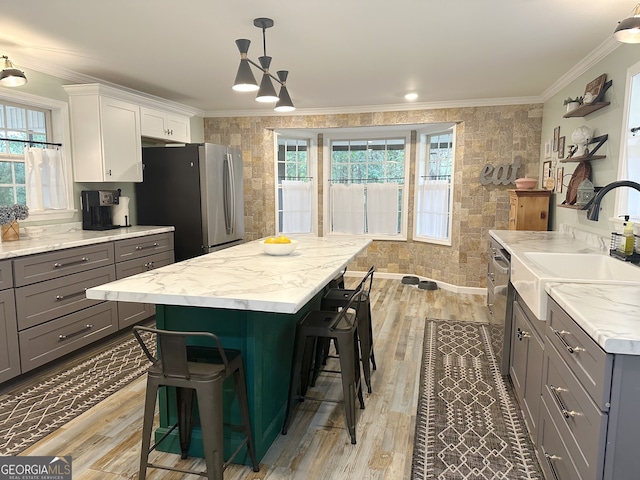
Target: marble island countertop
column 44, row 239
column 609, row 314
column 241, row 277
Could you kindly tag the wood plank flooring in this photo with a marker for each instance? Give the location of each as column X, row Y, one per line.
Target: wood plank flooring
column 105, row 441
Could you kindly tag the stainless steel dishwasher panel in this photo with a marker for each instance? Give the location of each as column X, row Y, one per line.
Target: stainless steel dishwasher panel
column 500, row 296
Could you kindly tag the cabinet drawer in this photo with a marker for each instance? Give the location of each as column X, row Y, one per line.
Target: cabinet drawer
column 44, row 301
column 589, row 363
column 46, row 342
column 6, row 274
column 143, row 264
column 555, row 460
column 142, row 246
column 582, row 425
column 46, row 266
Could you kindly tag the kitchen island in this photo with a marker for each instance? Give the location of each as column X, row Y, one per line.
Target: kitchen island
column 252, row 301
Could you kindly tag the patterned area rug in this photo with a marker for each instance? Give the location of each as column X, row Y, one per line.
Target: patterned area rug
column 30, row 413
column 468, row 424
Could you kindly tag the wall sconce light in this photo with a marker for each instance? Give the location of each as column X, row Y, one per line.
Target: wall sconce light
column 246, row 82
column 628, row 30
column 10, row 76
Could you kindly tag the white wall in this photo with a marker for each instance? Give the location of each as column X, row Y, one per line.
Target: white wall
column 607, row 120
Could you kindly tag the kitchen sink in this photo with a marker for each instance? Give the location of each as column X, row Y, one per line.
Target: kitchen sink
column 584, row 266
column 532, row 271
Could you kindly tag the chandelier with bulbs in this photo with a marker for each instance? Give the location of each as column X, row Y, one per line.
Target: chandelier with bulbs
column 246, row 82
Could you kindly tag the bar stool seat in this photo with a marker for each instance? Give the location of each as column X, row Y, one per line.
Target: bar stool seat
column 342, row 327
column 174, row 366
column 337, row 298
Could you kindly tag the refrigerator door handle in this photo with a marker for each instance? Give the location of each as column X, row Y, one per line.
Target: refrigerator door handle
column 229, row 194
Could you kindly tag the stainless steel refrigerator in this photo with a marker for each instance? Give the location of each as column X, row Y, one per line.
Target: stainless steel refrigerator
column 197, row 188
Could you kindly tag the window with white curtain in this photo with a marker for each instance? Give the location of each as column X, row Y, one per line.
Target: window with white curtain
column 34, row 174
column 434, row 186
column 295, row 191
column 366, row 192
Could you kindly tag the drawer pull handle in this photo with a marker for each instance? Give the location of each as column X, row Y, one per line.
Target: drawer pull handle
column 61, row 265
column 155, row 244
column 560, row 334
column 550, row 459
column 71, row 295
column 560, row 404
column 148, row 265
column 88, row 326
column 523, row 334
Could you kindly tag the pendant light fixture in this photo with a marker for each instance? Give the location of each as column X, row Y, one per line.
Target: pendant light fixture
column 628, row 30
column 10, row 76
column 246, row 82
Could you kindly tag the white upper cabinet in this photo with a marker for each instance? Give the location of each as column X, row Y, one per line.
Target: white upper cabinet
column 105, row 135
column 164, row 125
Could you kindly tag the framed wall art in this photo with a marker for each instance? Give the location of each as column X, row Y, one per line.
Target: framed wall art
column 556, row 138
column 593, row 89
column 559, row 175
column 546, row 170
column 547, row 149
column 561, row 148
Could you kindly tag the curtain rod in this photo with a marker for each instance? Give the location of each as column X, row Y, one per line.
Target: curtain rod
column 30, row 141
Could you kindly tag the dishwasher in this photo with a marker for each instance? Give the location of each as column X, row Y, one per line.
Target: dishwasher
column 500, row 296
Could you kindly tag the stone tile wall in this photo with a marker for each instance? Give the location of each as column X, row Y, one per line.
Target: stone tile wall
column 493, row 135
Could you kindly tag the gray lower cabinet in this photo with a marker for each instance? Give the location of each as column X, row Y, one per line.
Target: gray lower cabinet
column 44, row 312
column 138, row 255
column 130, row 312
column 9, row 352
column 589, row 427
column 527, row 347
column 48, row 341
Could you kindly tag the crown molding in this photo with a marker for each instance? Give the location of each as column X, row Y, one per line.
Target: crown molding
column 599, row 53
column 403, row 107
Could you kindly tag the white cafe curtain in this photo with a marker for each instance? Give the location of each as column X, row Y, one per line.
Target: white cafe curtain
column 382, row 208
column 347, row 208
column 46, row 183
column 433, row 209
column 296, row 206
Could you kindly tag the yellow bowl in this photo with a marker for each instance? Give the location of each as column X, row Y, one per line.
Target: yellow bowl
column 279, row 248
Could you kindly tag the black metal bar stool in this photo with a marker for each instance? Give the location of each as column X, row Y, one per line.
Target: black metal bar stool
column 341, row 326
column 174, row 366
column 337, row 298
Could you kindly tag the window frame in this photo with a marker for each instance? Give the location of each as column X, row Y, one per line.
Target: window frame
column 312, row 170
column 433, row 129
column 622, row 198
column 364, row 134
column 60, row 133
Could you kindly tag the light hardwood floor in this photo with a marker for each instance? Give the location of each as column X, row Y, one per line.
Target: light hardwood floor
column 105, row 441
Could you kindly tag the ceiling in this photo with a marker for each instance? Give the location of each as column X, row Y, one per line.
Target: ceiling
column 342, row 55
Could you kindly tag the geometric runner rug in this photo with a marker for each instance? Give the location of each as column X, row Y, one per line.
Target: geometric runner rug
column 29, row 414
column 468, row 424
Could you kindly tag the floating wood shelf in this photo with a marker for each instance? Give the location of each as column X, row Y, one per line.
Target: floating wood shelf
column 584, row 110
column 574, row 207
column 591, row 155
column 597, row 104
column 584, row 158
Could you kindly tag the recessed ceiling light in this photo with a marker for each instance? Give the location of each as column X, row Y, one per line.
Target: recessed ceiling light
column 411, row 96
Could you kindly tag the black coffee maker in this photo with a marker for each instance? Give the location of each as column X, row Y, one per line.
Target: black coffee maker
column 97, row 206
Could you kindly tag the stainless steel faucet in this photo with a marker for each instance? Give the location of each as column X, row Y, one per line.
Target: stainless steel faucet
column 593, row 207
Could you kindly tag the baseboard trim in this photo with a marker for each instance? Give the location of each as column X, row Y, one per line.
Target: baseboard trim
column 442, row 285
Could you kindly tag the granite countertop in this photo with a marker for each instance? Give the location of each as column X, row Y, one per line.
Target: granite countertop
column 241, row 277
column 609, row 314
column 44, row 239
